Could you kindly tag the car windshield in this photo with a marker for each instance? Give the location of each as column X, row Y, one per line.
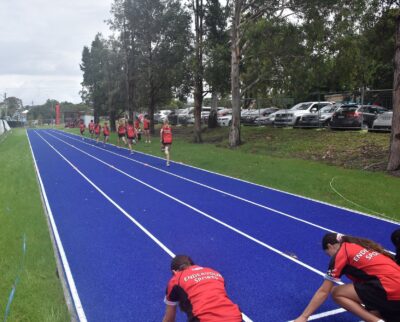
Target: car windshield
column 349, row 108
column 301, row 107
column 328, row 109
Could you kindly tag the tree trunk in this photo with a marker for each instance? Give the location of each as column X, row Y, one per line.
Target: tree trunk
column 113, row 118
column 198, row 77
column 198, row 101
column 212, row 118
column 234, row 131
column 394, row 156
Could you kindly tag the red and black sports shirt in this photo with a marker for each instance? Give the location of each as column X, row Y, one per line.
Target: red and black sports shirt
column 201, row 294
column 361, row 265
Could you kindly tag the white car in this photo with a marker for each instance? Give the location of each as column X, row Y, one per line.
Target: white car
column 383, row 123
column 292, row 116
column 224, row 117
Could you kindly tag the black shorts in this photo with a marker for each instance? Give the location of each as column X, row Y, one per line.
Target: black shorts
column 91, row 131
column 373, row 296
column 82, row 131
column 121, row 135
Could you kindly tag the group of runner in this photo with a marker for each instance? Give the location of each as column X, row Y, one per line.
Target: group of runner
column 130, row 133
column 374, row 295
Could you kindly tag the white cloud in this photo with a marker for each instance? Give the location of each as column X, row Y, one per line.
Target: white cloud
column 41, row 43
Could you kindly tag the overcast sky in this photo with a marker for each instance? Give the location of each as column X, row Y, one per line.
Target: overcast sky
column 41, row 43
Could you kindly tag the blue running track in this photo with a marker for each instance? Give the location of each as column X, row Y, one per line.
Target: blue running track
column 118, row 218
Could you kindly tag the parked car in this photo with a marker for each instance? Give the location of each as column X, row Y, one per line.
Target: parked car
column 383, row 123
column 266, row 120
column 320, row 118
column 292, row 116
column 249, row 117
column 161, row 115
column 173, row 117
column 224, row 117
column 353, row 116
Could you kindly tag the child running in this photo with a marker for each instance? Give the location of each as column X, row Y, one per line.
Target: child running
column 131, row 134
column 91, row 129
column 166, row 139
column 121, row 132
column 146, row 129
column 137, row 129
column 97, row 130
column 374, row 295
column 106, row 133
column 82, row 129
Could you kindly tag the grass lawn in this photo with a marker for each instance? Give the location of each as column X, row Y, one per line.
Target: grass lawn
column 38, row 295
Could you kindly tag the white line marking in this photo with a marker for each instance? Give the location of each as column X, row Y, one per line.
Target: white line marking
column 148, row 233
column 324, row 314
column 266, row 187
column 205, row 186
column 74, row 292
column 202, row 213
column 261, row 186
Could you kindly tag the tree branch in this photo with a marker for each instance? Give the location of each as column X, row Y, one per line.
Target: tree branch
column 250, row 86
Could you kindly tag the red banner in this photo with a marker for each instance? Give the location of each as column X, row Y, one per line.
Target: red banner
column 57, row 114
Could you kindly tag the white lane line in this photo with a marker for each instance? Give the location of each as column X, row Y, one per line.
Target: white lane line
column 74, row 292
column 206, row 186
column 270, row 188
column 324, row 314
column 148, row 233
column 201, row 212
column 313, row 317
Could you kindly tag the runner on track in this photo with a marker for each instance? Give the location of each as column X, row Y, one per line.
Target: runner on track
column 82, row 129
column 138, row 129
column 121, row 132
column 106, row 133
column 97, row 130
column 146, row 129
column 131, row 134
column 91, row 129
column 375, row 276
column 200, row 293
column 166, row 139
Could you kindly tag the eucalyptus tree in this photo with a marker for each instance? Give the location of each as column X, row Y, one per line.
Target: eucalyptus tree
column 124, row 24
column 94, row 75
column 163, row 45
column 216, row 49
column 198, row 65
column 394, row 156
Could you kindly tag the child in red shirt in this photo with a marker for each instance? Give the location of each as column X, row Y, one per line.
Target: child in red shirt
column 121, row 132
column 97, row 130
column 166, row 139
column 200, row 292
column 106, row 133
column 82, row 129
column 146, row 129
column 375, row 276
column 131, row 134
